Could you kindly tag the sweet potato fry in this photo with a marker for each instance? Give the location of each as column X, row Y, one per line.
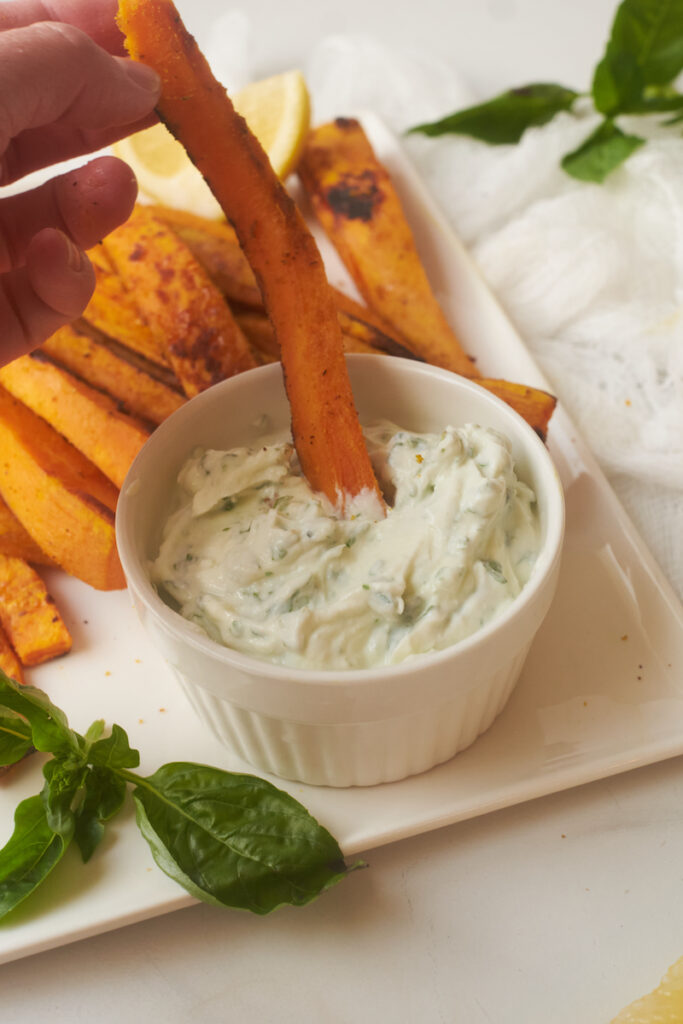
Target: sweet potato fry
column 65, row 502
column 354, row 199
column 259, row 332
column 217, row 248
column 114, row 311
column 532, row 404
column 261, row 336
column 184, row 309
column 279, row 247
column 11, row 666
column 16, row 541
column 359, row 323
column 138, row 393
column 29, row 615
column 164, row 374
column 87, row 418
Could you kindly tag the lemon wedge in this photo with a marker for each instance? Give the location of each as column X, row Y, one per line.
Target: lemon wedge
column 664, row 1005
column 278, row 111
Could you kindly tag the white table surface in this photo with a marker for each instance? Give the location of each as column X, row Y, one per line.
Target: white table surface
column 557, row 911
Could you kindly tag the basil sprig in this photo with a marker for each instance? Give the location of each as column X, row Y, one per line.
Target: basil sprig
column 229, row 839
column 636, row 76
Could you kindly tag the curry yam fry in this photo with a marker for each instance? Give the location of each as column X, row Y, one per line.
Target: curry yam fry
column 356, row 203
column 276, row 241
column 29, row 615
column 185, row 311
column 89, row 419
column 114, row 311
column 65, row 503
column 137, row 392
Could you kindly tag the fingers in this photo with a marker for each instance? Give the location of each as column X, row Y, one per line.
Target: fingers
column 49, row 291
column 94, row 17
column 86, row 204
column 46, row 280
column 61, row 95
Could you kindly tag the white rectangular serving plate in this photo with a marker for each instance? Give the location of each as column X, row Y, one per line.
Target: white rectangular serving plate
column 601, row 691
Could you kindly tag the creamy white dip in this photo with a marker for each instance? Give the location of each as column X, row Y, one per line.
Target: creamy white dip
column 266, row 566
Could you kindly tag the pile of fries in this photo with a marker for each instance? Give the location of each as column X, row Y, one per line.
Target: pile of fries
column 182, row 303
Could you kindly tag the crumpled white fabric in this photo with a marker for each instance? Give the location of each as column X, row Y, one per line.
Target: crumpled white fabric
column 591, row 275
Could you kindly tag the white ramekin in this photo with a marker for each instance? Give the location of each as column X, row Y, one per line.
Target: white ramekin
column 353, row 728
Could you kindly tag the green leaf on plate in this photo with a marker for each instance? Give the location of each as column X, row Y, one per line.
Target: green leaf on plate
column 15, row 739
column 235, row 840
column 63, row 779
column 105, row 793
column 94, row 732
column 645, row 49
column 601, row 153
column 49, row 726
column 504, row 119
column 114, row 751
column 30, row 854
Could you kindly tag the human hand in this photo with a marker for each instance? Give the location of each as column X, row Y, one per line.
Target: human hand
column 64, row 91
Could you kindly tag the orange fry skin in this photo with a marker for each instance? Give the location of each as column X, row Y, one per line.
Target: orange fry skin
column 86, row 417
column 112, row 309
column 138, row 393
column 532, row 404
column 185, row 311
column 28, row 614
column 278, row 246
column 63, row 500
column 356, row 203
column 11, row 666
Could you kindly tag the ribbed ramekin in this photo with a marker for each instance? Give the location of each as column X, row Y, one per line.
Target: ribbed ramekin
column 352, row 728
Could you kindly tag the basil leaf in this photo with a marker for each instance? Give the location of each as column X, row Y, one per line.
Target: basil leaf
column 645, row 48
column 505, row 118
column 49, row 726
column 30, row 855
column 235, row 840
column 63, row 779
column 94, row 732
column 114, row 751
column 657, row 100
column 618, row 84
column 15, row 739
column 104, row 796
column 601, row 153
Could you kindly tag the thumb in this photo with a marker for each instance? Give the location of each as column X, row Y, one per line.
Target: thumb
column 51, row 289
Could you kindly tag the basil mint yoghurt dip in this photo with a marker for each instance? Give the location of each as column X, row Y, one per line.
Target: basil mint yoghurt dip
column 267, row 567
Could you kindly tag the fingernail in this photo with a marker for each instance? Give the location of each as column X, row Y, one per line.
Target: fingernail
column 143, row 76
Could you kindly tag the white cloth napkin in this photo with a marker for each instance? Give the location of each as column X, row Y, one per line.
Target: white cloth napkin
column 591, row 275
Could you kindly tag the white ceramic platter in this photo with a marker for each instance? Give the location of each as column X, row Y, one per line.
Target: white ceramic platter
column 601, row 692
